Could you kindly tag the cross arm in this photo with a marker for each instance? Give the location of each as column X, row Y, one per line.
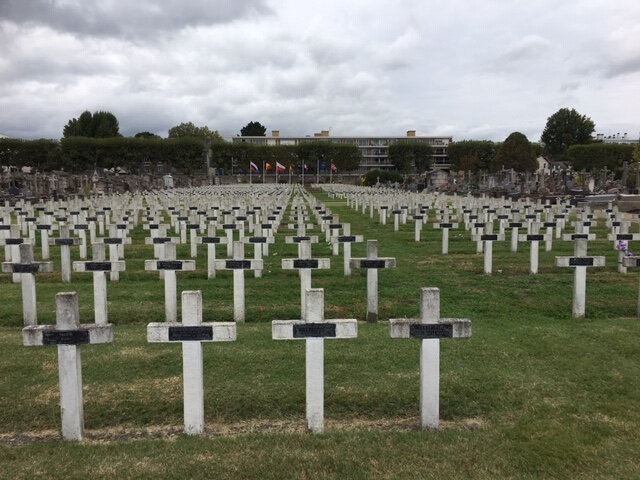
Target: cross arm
column 580, row 261
column 445, row 328
column 99, row 266
column 299, row 329
column 295, row 263
column 36, row 267
column 387, row 262
column 170, row 265
column 168, row 332
column 90, row 333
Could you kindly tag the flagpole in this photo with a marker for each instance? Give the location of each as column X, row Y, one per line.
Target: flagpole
column 302, row 168
column 250, row 173
column 289, row 173
column 331, row 173
column 263, row 172
column 318, row 170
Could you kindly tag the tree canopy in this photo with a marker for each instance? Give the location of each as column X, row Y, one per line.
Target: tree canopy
column 190, row 130
column 472, row 155
column 409, row 156
column 516, row 152
column 146, row 135
column 97, row 125
column 563, row 129
column 253, row 129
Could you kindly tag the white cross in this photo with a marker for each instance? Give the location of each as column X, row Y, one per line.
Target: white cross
column 314, row 330
column 191, row 333
column 68, row 334
column 430, row 328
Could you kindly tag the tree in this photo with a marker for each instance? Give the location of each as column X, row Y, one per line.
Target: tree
column 516, row 152
column 565, row 128
column 146, row 135
column 472, row 155
column 372, row 177
column 253, row 129
column 99, row 125
column 408, row 156
column 190, row 130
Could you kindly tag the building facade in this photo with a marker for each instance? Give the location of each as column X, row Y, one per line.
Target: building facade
column 374, row 150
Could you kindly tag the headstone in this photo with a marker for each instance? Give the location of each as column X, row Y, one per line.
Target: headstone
column 27, row 269
column 69, row 335
column 191, row 333
column 314, row 329
column 579, row 262
column 429, row 329
column 238, row 265
column 372, row 264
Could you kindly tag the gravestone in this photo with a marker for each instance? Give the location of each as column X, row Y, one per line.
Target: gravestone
column 238, row 265
column 372, row 264
column 314, row 330
column 580, row 262
column 429, row 328
column 69, row 335
column 191, row 333
column 99, row 267
column 27, row 268
column 304, row 264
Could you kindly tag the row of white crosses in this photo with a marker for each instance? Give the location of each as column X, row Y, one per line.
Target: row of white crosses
column 69, row 335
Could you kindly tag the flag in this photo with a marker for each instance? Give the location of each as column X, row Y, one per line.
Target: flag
column 280, row 167
column 291, row 168
column 253, row 167
column 322, row 166
column 306, row 167
column 333, row 167
column 268, row 168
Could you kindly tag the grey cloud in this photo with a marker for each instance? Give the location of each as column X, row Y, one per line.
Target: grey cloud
column 121, row 18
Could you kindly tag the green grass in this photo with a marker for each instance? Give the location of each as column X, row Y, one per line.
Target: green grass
column 533, row 394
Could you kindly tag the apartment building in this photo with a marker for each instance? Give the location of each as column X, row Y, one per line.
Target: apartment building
column 375, row 150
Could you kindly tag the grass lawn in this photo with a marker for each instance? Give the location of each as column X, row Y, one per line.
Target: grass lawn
column 533, row 394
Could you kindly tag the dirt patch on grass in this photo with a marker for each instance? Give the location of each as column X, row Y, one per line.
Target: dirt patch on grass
column 290, row 426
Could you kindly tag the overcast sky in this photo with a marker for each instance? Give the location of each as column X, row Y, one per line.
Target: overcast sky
column 472, row 69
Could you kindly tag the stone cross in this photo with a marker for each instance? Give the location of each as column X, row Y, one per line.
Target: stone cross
column 429, row 329
column 257, row 241
column 622, row 237
column 68, row 334
column 238, row 265
column 488, row 238
column 347, row 239
column 191, row 333
column 579, row 262
column 211, row 240
column 170, row 266
column 418, row 219
column 372, row 263
column 98, row 266
column 445, row 226
column 114, row 244
column 304, row 265
column 534, row 238
column 44, row 238
column 314, row 329
column 27, row 269
column 65, row 243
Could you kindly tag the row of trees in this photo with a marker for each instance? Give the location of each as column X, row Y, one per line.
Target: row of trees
column 185, row 154
column 95, row 139
column 515, row 152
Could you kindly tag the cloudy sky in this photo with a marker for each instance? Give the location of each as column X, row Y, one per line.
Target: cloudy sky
column 472, row 69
